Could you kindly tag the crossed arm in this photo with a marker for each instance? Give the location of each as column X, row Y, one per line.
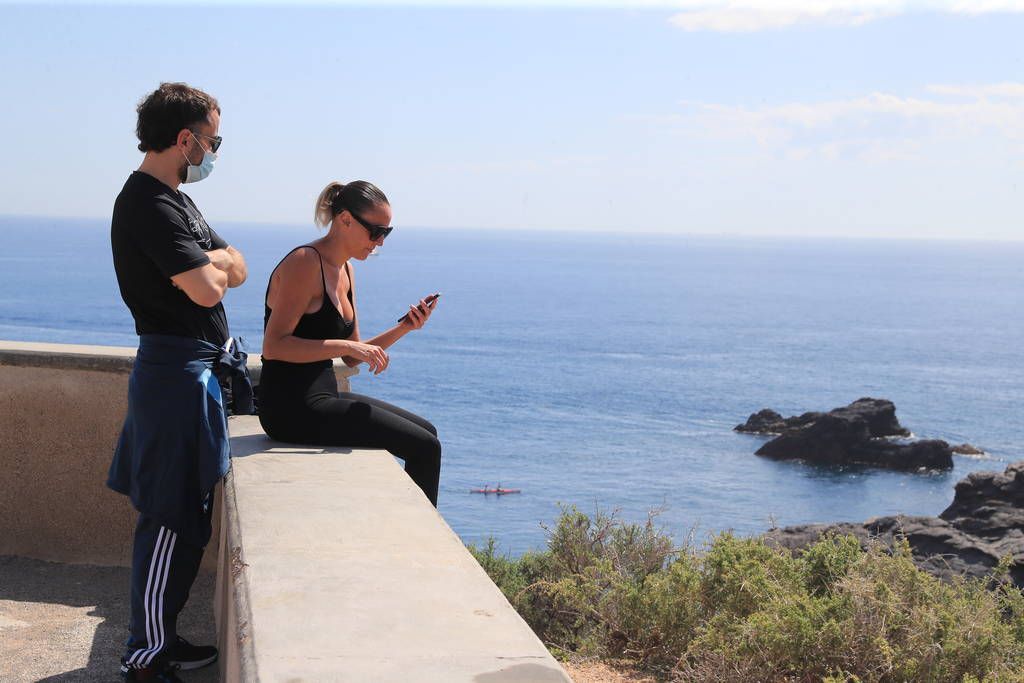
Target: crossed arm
column 207, row 284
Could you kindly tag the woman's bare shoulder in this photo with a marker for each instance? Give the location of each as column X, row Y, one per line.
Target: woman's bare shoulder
column 298, row 272
column 303, row 260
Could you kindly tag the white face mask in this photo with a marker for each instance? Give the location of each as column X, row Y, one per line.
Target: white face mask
column 194, row 174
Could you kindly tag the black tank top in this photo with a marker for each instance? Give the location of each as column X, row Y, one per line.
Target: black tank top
column 326, row 322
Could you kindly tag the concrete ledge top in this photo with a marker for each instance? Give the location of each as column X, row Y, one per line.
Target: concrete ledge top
column 352, row 575
column 100, row 358
column 67, row 356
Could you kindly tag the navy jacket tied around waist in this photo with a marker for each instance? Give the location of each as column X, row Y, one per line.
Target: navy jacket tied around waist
column 174, row 446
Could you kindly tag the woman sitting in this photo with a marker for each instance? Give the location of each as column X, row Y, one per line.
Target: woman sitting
column 310, row 318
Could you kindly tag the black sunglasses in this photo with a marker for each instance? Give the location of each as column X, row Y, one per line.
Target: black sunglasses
column 377, row 232
column 215, row 140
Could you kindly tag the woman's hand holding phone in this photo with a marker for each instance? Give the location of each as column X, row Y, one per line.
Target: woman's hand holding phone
column 419, row 314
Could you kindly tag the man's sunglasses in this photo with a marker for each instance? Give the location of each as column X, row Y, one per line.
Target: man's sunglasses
column 377, row 232
column 215, row 140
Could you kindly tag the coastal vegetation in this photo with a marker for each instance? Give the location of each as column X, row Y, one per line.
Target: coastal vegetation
column 738, row 609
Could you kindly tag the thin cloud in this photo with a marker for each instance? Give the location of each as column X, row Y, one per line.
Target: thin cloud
column 992, row 90
column 748, row 16
column 986, row 6
column 821, row 114
column 877, row 126
column 693, row 15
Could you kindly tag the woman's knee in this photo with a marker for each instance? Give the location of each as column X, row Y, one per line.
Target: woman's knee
column 428, row 451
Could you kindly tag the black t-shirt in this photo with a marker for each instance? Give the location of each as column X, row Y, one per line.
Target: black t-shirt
column 155, row 233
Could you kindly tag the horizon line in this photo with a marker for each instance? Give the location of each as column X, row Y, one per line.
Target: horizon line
column 599, row 231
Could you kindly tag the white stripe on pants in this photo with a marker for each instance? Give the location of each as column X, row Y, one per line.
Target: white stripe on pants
column 159, row 569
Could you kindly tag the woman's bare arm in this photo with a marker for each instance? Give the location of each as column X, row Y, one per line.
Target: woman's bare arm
column 415, row 320
column 293, row 287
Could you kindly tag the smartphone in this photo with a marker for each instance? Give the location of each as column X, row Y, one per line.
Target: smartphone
column 430, row 302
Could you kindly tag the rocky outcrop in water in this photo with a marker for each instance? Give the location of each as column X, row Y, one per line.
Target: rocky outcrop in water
column 831, row 440
column 851, row 435
column 767, row 421
column 984, row 523
column 878, row 414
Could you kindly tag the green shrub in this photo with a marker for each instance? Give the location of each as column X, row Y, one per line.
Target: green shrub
column 739, row 610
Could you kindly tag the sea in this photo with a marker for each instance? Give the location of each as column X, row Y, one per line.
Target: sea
column 606, row 371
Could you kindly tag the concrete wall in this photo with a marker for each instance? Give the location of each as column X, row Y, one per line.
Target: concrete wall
column 61, row 410
column 335, row 567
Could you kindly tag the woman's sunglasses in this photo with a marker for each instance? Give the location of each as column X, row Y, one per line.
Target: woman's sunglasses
column 377, row 232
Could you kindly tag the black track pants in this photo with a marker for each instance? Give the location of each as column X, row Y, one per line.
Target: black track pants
column 163, row 570
column 300, row 403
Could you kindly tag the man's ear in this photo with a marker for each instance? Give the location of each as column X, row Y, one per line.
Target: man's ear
column 183, row 136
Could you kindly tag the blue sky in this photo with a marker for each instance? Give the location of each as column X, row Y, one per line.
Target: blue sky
column 863, row 119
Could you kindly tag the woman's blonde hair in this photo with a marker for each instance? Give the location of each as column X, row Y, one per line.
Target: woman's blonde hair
column 356, row 197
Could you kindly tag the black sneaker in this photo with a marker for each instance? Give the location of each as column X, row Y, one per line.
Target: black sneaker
column 187, row 656
column 152, row 674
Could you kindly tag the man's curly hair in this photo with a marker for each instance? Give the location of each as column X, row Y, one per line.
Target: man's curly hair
column 168, row 109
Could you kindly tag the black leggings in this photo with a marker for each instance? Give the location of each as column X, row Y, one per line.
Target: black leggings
column 300, row 403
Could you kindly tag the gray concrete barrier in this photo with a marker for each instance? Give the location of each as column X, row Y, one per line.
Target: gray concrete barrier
column 335, row 567
column 61, row 410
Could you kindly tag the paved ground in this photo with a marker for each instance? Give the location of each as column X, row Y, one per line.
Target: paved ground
column 65, row 622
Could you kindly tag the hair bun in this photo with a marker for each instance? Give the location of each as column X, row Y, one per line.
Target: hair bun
column 324, row 210
column 358, row 196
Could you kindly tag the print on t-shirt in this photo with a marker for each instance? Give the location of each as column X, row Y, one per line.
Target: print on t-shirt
column 201, row 231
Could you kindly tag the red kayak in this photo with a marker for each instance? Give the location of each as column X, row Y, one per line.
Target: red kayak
column 497, row 491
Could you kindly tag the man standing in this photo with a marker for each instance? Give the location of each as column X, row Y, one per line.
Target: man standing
column 173, row 270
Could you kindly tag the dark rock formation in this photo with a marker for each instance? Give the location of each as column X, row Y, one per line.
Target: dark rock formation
column 990, row 506
column 879, row 415
column 765, row 421
column 834, row 441
column 937, row 546
column 967, row 449
column 984, row 523
column 852, row 435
